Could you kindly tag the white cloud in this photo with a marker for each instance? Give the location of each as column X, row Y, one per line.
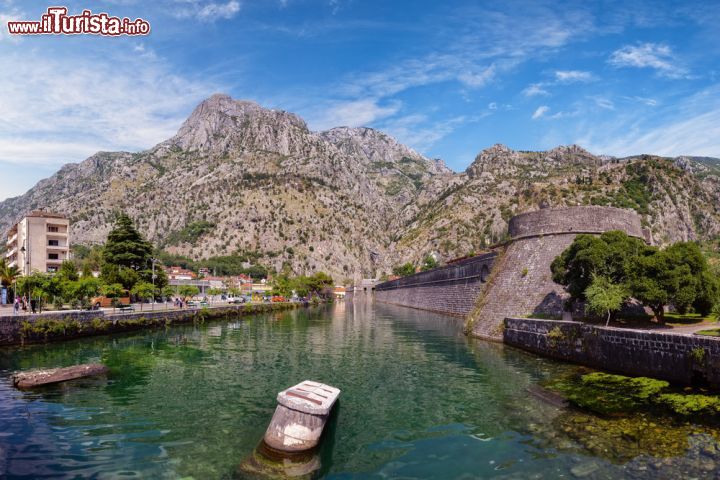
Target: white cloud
column 564, row 114
column 354, row 113
column 219, row 10
column 492, row 106
column 477, row 78
column 571, row 76
column 695, row 136
column 205, row 11
column 648, row 55
column 603, row 102
column 12, row 14
column 687, row 127
column 561, row 77
column 420, row 132
column 541, row 110
column 650, row 102
column 69, row 107
column 534, row 90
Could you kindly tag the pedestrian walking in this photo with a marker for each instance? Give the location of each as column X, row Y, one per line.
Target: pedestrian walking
column 16, row 306
column 33, row 304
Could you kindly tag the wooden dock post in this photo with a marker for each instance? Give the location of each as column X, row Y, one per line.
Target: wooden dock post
column 300, row 416
column 36, row 378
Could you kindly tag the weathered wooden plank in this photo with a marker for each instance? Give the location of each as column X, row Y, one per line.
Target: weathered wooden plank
column 36, row 378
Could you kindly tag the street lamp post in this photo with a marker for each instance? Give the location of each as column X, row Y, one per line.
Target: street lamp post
column 153, row 260
column 26, row 267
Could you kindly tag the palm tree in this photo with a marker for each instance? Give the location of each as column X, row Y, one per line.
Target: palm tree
column 8, row 274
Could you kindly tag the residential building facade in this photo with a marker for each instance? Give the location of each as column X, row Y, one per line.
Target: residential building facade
column 39, row 242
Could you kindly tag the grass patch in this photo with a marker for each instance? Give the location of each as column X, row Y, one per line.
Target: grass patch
column 687, row 319
column 710, row 332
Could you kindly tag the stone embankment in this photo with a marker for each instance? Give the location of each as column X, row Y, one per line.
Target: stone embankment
column 678, row 358
column 451, row 290
column 51, row 326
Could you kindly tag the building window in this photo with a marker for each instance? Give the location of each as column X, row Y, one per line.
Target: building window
column 53, row 256
column 53, row 229
column 54, row 243
column 52, row 269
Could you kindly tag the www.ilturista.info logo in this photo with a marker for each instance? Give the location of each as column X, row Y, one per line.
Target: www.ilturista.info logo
column 57, row 22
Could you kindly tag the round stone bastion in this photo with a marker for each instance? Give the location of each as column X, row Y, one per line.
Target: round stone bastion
column 575, row 220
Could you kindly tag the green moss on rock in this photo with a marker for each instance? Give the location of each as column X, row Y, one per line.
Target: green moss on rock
column 688, row 404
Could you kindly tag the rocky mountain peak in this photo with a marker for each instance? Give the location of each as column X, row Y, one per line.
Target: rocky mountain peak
column 573, row 154
column 368, row 142
column 495, row 156
column 221, row 123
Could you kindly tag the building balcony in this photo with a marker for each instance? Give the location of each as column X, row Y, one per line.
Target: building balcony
column 57, row 234
column 57, row 248
column 11, row 253
column 12, row 239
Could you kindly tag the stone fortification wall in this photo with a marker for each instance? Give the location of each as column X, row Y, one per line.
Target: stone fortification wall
column 590, row 219
column 451, row 290
column 522, row 283
column 684, row 359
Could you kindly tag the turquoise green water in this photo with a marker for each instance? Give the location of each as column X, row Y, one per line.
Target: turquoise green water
column 419, row 400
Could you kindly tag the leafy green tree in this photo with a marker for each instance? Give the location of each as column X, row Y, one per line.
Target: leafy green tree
column 605, row 297
column 144, row 291
column 213, row 292
column 127, row 256
column 429, row 263
column 81, row 291
column 611, row 255
column 188, row 291
column 87, row 270
column 89, row 258
column 319, row 283
column 117, row 274
column 167, row 291
column 677, row 276
column 404, row 270
column 68, row 271
column 8, row 274
column 161, row 278
column 283, row 285
column 125, row 247
column 30, row 284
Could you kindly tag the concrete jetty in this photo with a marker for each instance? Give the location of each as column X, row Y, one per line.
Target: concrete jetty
column 36, row 378
column 300, row 416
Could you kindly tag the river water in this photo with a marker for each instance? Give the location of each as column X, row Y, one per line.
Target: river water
column 419, row 400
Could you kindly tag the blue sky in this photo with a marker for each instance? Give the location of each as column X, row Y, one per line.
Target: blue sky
column 448, row 78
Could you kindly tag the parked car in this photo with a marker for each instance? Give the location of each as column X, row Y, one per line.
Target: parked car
column 278, row 298
column 107, row 302
column 197, row 303
column 236, row 300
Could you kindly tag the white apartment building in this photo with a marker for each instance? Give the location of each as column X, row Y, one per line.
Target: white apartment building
column 39, row 242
